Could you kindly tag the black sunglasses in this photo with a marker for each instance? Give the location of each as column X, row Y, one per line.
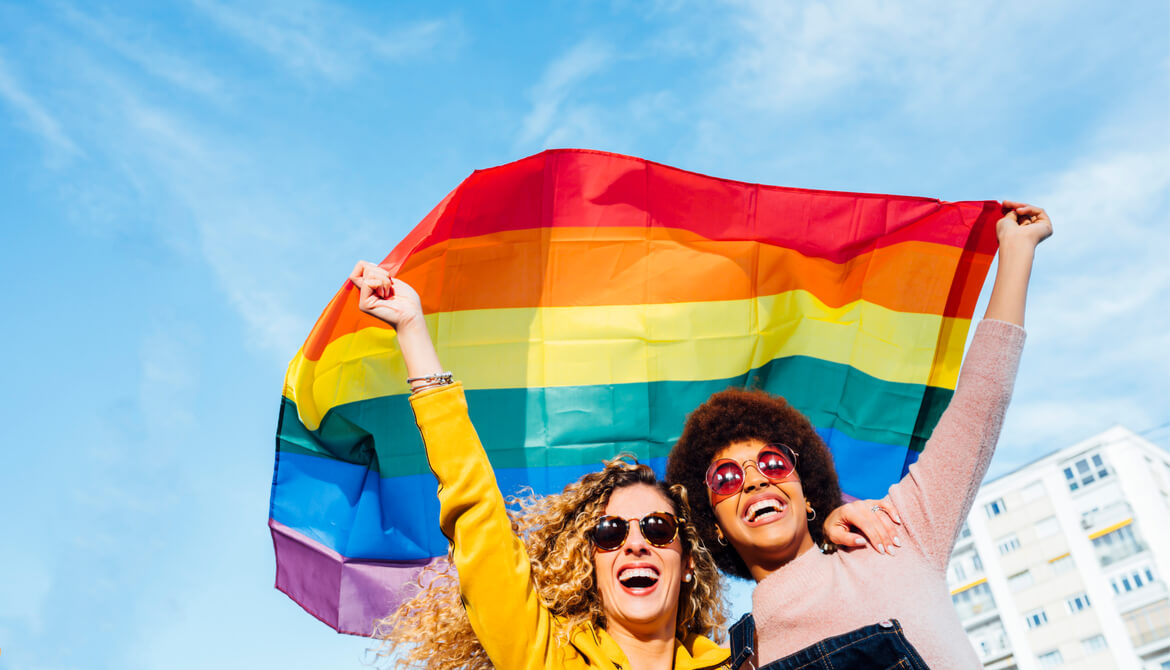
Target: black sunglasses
column 659, row 529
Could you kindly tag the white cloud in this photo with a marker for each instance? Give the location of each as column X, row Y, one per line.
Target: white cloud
column 34, row 114
column 203, row 196
column 244, row 235
column 547, row 122
column 1098, row 351
column 415, row 38
column 132, row 41
column 792, row 53
column 324, row 40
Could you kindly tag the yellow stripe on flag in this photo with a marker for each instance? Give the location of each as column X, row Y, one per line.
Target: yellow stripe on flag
column 597, row 345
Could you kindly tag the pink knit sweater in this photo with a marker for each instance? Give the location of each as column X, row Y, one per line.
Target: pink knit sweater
column 822, row 595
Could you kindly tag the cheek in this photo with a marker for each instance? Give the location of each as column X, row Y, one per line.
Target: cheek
column 604, row 585
column 796, row 495
column 725, row 517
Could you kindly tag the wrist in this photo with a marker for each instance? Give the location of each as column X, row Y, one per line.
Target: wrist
column 1017, row 245
column 1017, row 254
column 412, row 325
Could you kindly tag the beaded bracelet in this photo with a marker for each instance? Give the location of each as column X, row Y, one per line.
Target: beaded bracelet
column 441, row 377
column 431, row 381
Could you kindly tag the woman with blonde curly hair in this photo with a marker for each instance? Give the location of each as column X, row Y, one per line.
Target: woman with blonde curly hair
column 607, row 574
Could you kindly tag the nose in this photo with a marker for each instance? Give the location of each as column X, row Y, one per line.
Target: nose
column 752, row 478
column 636, row 545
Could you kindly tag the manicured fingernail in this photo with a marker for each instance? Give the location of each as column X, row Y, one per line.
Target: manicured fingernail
column 859, row 541
column 890, row 551
column 897, row 541
column 882, row 548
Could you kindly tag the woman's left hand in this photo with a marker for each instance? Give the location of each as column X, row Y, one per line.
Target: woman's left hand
column 855, row 524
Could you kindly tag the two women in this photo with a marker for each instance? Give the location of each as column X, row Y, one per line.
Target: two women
column 608, row 574
column 759, row 478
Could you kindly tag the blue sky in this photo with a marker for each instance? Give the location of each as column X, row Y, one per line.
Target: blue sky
column 183, row 187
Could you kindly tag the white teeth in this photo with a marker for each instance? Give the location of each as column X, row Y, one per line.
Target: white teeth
column 763, row 507
column 631, row 573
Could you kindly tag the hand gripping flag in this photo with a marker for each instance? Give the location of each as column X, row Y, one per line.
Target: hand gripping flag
column 588, row 302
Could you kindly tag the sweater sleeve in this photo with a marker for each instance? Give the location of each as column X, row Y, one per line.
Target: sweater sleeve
column 937, row 492
column 514, row 627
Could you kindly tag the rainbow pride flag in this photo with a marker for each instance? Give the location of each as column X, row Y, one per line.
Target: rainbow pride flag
column 589, row 301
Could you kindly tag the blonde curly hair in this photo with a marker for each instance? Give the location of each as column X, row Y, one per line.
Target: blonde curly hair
column 432, row 629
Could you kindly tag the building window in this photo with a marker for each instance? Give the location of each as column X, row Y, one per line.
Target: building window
column 958, row 572
column 1009, row 544
column 1036, row 618
column 1118, row 544
column 1062, row 565
column 1085, row 471
column 1077, row 603
column 995, row 508
column 1050, row 659
column 977, row 562
column 1132, row 580
column 1047, row 527
column 1020, row 580
column 1093, row 644
column 964, row 532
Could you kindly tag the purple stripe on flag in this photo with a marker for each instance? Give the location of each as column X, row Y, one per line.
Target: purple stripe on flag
column 349, row 594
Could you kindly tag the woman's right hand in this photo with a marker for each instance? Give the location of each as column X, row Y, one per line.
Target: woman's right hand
column 391, row 300
column 396, row 303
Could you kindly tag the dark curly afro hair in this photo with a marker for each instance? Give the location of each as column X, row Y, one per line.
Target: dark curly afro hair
column 735, row 415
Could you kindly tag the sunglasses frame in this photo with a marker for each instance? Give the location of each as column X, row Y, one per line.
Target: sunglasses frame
column 678, row 524
column 783, row 449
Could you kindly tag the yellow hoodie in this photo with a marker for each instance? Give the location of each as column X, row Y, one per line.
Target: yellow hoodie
column 514, row 627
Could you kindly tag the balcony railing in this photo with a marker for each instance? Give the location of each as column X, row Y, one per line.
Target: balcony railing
column 1146, row 637
column 1119, row 551
column 972, row 608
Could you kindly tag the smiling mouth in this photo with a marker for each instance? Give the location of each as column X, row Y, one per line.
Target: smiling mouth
column 764, row 510
column 638, row 578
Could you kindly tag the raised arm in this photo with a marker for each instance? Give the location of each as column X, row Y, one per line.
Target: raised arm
column 396, row 303
column 1020, row 230
column 512, row 625
column 936, row 495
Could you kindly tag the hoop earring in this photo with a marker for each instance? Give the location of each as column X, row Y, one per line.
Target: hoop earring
column 719, row 539
column 812, row 514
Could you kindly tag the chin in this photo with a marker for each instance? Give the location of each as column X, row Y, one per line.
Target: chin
column 645, row 610
column 772, row 541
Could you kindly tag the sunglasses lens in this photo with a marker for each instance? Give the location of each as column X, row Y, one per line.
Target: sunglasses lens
column 610, row 533
column 659, row 529
column 774, row 464
column 725, row 478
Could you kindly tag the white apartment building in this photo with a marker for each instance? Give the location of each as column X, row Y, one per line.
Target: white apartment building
column 1064, row 562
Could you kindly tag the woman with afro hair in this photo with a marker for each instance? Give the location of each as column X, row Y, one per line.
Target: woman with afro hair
column 760, row 481
column 608, row 574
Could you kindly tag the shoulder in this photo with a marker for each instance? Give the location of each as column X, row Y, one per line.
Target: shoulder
column 698, row 651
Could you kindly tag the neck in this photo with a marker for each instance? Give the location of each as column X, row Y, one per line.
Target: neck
column 645, row 650
column 762, row 568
